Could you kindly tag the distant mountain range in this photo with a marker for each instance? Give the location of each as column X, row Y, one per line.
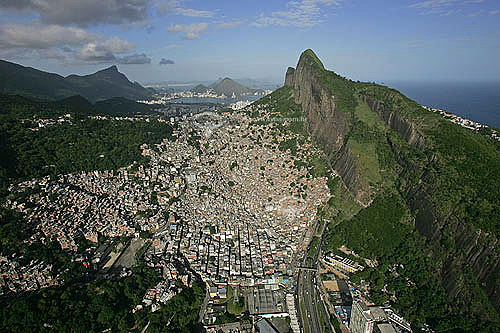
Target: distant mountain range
column 105, row 84
column 200, row 89
column 227, row 87
column 116, row 106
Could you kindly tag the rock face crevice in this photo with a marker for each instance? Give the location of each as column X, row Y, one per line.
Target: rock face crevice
column 475, row 254
column 393, row 120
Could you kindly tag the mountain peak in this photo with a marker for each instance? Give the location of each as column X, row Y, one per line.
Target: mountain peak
column 228, row 87
column 110, row 69
column 104, row 84
column 200, row 88
column 310, row 58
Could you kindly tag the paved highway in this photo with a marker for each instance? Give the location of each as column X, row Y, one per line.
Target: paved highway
column 309, row 295
column 310, row 302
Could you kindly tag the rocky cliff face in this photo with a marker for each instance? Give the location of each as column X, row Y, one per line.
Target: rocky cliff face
column 328, row 125
column 476, row 253
column 466, row 254
column 393, row 120
column 471, row 251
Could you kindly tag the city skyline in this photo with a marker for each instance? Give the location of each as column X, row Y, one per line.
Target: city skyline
column 154, row 41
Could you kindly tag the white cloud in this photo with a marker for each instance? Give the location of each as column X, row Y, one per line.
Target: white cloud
column 39, row 36
column 193, row 12
column 117, row 45
column 432, row 3
column 191, row 36
column 93, row 52
column 83, row 12
column 191, row 31
column 134, row 59
column 450, row 12
column 174, row 6
column 231, row 24
column 443, row 7
column 171, row 46
column 299, row 13
column 176, row 28
column 442, row 3
column 65, row 44
column 475, row 14
column 105, row 51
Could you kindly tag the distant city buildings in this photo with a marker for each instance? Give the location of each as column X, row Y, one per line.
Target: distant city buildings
column 209, row 94
column 466, row 123
column 239, row 105
column 222, row 201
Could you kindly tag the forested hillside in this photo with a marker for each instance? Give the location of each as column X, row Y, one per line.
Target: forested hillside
column 419, row 194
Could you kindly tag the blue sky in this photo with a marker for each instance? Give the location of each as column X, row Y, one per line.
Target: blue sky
column 423, row 40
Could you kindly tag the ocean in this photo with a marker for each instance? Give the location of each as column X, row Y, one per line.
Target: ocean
column 477, row 101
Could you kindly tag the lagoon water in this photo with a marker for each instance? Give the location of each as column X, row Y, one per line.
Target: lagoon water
column 477, row 101
column 214, row 100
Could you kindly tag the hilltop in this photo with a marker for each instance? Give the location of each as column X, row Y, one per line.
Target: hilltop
column 229, row 87
column 104, row 84
column 413, row 190
column 200, row 88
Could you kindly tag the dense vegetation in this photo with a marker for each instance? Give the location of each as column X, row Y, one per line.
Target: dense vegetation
column 451, row 167
column 463, row 176
column 83, row 145
column 468, row 170
column 33, row 83
column 100, row 305
column 180, row 314
column 381, row 232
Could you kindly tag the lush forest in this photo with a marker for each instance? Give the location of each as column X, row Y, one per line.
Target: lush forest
column 382, row 232
column 103, row 304
column 82, row 145
column 464, row 174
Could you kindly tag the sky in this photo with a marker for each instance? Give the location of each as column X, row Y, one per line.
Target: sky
column 190, row 40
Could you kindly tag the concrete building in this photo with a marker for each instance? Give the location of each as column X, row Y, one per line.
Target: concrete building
column 344, row 264
column 263, row 326
column 361, row 319
column 385, row 328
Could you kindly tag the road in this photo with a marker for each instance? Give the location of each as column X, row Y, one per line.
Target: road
column 308, row 294
column 203, row 307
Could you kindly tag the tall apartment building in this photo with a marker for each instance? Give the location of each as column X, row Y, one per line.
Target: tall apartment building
column 361, row 318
